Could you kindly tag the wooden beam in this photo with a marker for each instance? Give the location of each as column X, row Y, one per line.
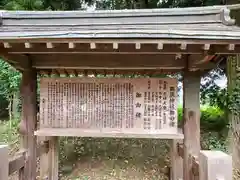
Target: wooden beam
column 183, row 46
column 4, row 162
column 160, row 46
column 206, row 47
column 123, row 48
column 27, row 45
column 205, row 59
column 57, row 72
column 49, row 158
column 138, row 46
column 191, row 128
column 17, row 162
column 195, row 166
column 66, row 73
column 128, row 41
column 49, row 45
column 176, row 161
column 19, row 62
column 75, row 73
column 7, row 45
column 115, row 45
column 92, row 45
column 71, row 45
column 96, row 133
column 106, row 61
column 231, row 47
column 29, row 120
column 63, row 48
column 44, row 158
column 54, row 160
column 180, row 149
column 178, row 57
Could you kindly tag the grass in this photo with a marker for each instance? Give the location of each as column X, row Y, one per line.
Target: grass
column 114, row 170
column 10, row 135
column 109, row 159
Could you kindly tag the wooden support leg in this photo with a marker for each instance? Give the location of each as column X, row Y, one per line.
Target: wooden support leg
column 53, row 150
column 44, row 158
column 191, row 128
column 49, row 159
column 176, row 161
column 4, row 162
column 28, row 122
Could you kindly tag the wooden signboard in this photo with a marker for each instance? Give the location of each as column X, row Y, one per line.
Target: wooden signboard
column 141, row 105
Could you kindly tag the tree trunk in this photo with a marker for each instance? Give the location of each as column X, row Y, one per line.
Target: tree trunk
column 15, row 102
column 233, row 65
column 10, row 110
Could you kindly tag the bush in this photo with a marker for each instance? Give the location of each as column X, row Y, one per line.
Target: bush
column 212, row 119
column 213, row 141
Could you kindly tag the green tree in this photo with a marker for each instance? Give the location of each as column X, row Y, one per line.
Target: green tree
column 9, row 85
column 23, row 5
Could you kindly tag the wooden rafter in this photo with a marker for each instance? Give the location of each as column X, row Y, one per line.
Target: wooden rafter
column 116, row 47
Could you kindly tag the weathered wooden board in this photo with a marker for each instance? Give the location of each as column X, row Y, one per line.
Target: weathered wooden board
column 144, row 105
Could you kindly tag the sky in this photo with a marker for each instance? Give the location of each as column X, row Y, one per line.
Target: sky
column 222, row 82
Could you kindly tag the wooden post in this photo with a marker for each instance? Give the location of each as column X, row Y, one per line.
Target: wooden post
column 44, row 158
column 176, row 161
column 29, row 121
column 215, row 165
column 4, row 162
column 191, row 127
column 49, row 159
column 53, row 150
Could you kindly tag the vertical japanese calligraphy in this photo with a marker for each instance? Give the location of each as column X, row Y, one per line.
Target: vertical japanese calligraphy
column 147, row 104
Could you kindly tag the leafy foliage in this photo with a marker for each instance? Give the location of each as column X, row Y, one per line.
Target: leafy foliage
column 212, row 118
column 24, row 5
column 234, row 96
column 9, row 80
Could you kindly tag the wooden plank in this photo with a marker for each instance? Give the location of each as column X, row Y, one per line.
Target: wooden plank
column 46, row 158
column 105, row 61
column 29, row 121
column 49, row 158
column 191, row 128
column 53, row 151
column 195, row 166
column 206, row 59
column 70, row 132
column 195, row 162
column 126, row 41
column 6, row 45
column 16, row 163
column 176, row 161
column 4, row 162
column 49, row 45
column 115, row 45
column 108, row 71
column 123, row 48
column 27, row 45
column 71, row 45
column 180, row 150
column 215, row 165
column 132, row 92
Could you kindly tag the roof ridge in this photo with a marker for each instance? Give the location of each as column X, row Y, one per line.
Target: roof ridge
column 226, row 18
column 125, row 12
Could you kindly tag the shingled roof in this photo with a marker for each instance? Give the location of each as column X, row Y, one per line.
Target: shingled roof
column 196, row 23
